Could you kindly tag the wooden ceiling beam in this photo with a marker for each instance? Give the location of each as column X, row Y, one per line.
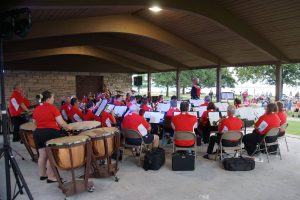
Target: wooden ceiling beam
column 118, row 24
column 106, row 40
column 80, row 50
column 209, row 9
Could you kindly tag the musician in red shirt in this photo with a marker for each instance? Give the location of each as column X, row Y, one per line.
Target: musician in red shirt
column 173, row 108
column 138, row 123
column 265, row 123
column 132, row 100
column 118, row 101
column 48, row 121
column 144, row 106
column 206, row 101
column 107, row 118
column 76, row 114
column 65, row 109
column 184, row 122
column 282, row 116
column 89, row 115
column 238, row 103
column 16, row 106
column 230, row 123
column 204, row 122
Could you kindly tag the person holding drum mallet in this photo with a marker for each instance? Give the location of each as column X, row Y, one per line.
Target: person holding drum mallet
column 49, row 122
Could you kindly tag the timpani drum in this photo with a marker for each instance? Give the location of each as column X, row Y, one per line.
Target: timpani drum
column 105, row 142
column 78, row 127
column 26, row 133
column 70, row 153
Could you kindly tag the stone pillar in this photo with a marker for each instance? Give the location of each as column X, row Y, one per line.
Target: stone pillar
column 279, row 83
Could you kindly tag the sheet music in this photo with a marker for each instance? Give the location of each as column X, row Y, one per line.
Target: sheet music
column 196, row 102
column 110, row 107
column 222, row 106
column 224, row 114
column 120, row 110
column 245, row 113
column 101, row 107
column 147, row 114
column 213, row 117
column 200, row 110
column 163, row 107
column 258, row 112
column 156, row 117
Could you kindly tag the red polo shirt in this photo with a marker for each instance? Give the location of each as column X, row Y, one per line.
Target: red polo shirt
column 204, row 104
column 15, row 101
column 26, row 102
column 89, row 116
column 282, row 116
column 205, row 116
column 45, row 115
column 266, row 122
column 107, row 119
column 76, row 115
column 171, row 111
column 136, row 122
column 184, row 122
column 230, row 123
column 145, row 108
column 118, row 103
column 65, row 110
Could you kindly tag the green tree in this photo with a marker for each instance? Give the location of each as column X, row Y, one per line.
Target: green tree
column 207, row 78
column 266, row 74
column 165, row 79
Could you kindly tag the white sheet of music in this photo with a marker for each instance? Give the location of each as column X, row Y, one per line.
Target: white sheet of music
column 224, row 114
column 147, row 114
column 156, row 117
column 200, row 110
column 245, row 113
column 258, row 112
column 222, row 106
column 163, row 107
column 120, row 110
column 196, row 102
column 213, row 117
column 110, row 107
column 101, row 107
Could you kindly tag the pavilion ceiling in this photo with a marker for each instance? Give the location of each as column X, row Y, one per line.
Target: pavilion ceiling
column 124, row 36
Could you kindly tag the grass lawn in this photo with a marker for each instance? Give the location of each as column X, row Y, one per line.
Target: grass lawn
column 294, row 126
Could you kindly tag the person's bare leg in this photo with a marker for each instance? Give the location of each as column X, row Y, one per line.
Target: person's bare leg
column 50, row 172
column 155, row 141
column 42, row 162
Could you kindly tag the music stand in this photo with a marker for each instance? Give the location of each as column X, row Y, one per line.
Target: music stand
column 6, row 150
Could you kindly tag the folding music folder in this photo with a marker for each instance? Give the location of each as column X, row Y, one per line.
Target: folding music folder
column 245, row 113
column 163, row 107
column 213, row 117
column 120, row 110
column 101, row 107
column 258, row 112
column 221, row 106
column 196, row 102
column 200, row 110
column 155, row 117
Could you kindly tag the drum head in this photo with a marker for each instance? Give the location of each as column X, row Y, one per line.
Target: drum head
column 29, row 126
column 68, row 140
column 106, row 131
column 89, row 133
column 85, row 125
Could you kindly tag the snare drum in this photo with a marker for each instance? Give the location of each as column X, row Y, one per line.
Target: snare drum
column 26, row 133
column 77, row 127
column 105, row 141
column 70, row 153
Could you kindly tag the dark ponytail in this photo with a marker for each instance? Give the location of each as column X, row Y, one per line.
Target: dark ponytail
column 45, row 95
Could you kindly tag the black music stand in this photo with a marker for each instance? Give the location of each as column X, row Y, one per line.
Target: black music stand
column 6, row 150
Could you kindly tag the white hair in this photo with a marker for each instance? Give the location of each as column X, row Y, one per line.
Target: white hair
column 231, row 109
column 134, row 108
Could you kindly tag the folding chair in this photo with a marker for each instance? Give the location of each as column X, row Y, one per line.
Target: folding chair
column 183, row 136
column 283, row 128
column 271, row 133
column 132, row 134
column 231, row 136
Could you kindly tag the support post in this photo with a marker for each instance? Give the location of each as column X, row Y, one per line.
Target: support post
column 218, row 83
column 178, row 83
column 279, row 83
column 149, row 84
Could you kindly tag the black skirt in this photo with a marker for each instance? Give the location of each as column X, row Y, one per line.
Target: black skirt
column 42, row 135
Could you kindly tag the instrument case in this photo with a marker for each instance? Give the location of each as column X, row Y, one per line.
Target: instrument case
column 183, row 161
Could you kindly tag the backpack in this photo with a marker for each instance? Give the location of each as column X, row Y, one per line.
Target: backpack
column 154, row 159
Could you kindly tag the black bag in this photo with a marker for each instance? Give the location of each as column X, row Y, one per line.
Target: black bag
column 154, row 159
column 238, row 164
column 183, row 161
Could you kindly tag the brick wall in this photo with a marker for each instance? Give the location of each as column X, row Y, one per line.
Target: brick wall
column 60, row 83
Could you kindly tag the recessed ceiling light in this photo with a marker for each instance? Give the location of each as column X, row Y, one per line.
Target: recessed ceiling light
column 155, row 9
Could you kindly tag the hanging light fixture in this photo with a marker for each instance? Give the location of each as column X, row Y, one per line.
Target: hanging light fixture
column 155, row 9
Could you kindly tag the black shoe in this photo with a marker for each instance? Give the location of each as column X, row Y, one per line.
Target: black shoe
column 206, row 156
column 50, row 181
column 43, row 178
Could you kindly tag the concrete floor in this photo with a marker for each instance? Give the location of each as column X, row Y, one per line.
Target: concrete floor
column 278, row 180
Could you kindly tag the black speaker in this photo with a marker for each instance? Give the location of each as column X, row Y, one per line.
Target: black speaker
column 137, row 81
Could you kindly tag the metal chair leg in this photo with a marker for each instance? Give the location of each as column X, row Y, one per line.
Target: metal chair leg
column 286, row 143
